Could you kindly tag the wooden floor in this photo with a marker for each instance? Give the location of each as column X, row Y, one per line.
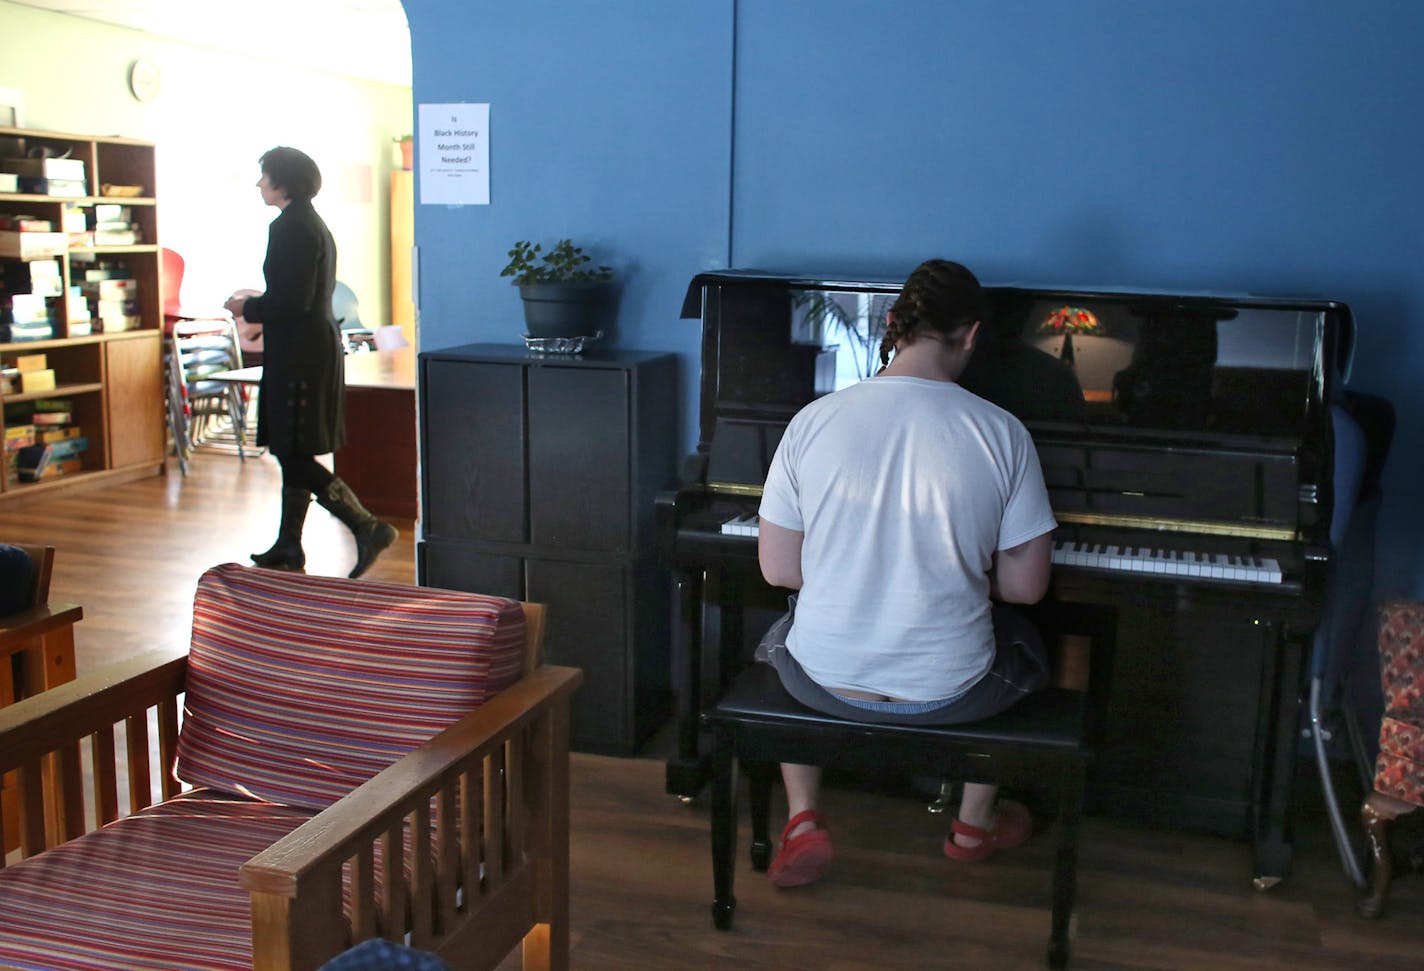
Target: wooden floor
column 641, row 873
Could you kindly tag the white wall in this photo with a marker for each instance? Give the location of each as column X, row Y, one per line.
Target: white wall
column 214, row 115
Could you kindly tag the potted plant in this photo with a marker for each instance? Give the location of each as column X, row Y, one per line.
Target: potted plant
column 563, row 296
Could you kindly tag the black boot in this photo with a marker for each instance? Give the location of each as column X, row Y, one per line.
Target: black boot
column 287, row 553
column 372, row 535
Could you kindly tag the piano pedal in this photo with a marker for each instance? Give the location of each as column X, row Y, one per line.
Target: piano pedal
column 945, row 800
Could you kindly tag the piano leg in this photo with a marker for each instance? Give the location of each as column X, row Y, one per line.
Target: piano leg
column 1282, row 684
column 686, row 772
column 706, row 655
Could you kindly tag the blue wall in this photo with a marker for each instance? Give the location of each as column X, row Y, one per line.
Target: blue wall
column 1242, row 145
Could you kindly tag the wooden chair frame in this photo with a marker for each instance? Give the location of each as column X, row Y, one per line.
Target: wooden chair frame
column 483, row 808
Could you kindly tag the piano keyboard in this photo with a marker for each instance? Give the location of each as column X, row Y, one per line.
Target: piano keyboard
column 744, row 525
column 1179, row 563
column 1124, row 559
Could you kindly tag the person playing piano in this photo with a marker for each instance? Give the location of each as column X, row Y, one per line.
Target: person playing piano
column 905, row 511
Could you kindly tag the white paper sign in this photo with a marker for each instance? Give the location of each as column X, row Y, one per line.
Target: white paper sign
column 454, row 154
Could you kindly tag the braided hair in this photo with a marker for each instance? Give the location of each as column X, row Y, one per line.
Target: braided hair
column 940, row 297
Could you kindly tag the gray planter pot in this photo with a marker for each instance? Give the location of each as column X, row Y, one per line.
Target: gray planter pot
column 567, row 309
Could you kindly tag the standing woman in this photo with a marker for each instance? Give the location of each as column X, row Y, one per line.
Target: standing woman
column 301, row 398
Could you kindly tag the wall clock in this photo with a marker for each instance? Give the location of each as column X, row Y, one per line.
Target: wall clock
column 143, row 80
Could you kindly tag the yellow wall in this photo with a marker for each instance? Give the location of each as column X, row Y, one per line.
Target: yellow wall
column 214, row 115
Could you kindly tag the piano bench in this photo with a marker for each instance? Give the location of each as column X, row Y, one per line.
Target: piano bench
column 1041, row 740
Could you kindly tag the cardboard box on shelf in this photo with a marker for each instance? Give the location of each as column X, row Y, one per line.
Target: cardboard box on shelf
column 31, row 362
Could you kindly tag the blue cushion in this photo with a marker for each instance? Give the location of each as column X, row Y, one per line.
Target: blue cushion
column 17, row 576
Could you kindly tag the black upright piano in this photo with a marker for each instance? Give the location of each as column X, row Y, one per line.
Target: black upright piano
column 1185, row 441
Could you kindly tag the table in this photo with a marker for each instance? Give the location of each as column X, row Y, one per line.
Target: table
column 379, row 458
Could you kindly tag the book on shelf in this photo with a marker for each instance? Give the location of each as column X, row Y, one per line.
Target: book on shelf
column 28, row 308
column 18, row 436
column 75, row 220
column 111, row 288
column 37, row 462
column 39, row 277
column 25, row 224
column 56, row 433
column 51, row 412
column 111, row 212
column 39, row 453
column 18, row 245
column 117, row 237
column 118, row 324
column 58, row 188
column 31, row 362
column 20, row 333
column 32, row 381
column 64, row 169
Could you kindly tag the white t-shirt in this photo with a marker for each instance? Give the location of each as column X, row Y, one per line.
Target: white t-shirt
column 904, row 488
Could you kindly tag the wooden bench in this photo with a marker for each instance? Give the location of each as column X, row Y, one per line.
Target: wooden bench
column 1045, row 740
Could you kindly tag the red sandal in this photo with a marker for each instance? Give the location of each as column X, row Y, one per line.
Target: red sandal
column 802, row 859
column 1012, row 826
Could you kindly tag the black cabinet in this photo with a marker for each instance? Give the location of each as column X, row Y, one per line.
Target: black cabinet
column 538, row 474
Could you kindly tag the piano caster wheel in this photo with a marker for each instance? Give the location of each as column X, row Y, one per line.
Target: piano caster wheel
column 761, row 856
column 1264, row 883
column 722, row 914
column 686, row 800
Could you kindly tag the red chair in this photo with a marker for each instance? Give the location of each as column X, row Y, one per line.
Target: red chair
column 171, row 284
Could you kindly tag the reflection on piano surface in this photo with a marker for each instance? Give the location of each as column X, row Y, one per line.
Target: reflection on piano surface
column 1184, row 441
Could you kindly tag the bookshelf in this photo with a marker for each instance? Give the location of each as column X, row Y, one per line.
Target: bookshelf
column 109, row 380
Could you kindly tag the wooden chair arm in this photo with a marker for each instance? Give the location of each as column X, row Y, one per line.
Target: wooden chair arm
column 72, row 711
column 23, row 626
column 380, row 803
column 467, row 837
column 44, row 732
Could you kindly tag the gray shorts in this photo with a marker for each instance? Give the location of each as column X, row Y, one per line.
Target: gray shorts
column 1020, row 667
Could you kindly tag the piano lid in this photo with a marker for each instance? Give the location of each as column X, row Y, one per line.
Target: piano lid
column 1123, row 362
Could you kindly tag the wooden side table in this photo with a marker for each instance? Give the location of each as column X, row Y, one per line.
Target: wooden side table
column 42, row 638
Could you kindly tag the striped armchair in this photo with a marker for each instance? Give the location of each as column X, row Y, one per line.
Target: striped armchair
column 356, row 759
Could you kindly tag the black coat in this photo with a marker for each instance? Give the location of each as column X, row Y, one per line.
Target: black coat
column 301, row 399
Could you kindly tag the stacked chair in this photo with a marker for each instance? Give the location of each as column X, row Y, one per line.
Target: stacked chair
column 204, row 412
column 200, row 342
